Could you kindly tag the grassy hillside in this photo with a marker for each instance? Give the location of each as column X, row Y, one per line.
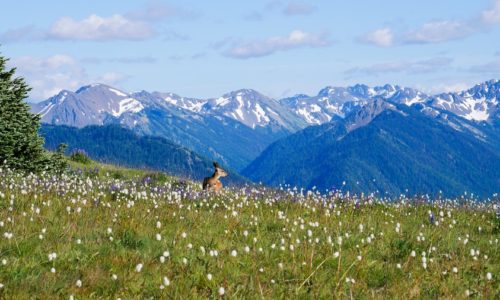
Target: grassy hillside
column 116, row 234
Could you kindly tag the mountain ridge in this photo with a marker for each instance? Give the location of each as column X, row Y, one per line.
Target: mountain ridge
column 401, row 148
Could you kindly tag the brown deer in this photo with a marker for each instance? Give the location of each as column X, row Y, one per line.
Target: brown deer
column 213, row 182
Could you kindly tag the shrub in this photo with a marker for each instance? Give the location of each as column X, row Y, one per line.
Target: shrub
column 80, row 156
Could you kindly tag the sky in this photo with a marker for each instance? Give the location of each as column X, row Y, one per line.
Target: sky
column 280, row 48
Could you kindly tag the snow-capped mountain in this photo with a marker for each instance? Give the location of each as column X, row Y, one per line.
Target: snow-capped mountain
column 191, row 104
column 89, row 105
column 477, row 103
column 232, row 129
column 338, row 102
column 252, row 109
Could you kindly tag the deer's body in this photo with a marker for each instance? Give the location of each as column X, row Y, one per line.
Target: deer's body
column 213, row 182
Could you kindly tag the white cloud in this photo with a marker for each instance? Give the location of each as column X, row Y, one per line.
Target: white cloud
column 445, row 86
column 296, row 39
column 298, row 8
column 381, row 37
column 439, row 31
column 49, row 75
column 155, row 11
column 94, row 27
column 410, row 67
column 26, row 33
column 492, row 15
column 123, row 60
column 111, row 78
column 492, row 68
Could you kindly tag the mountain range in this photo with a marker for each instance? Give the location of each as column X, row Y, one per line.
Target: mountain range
column 238, row 127
column 233, row 128
column 386, row 148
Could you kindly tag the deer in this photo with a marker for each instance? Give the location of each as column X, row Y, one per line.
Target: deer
column 213, row 182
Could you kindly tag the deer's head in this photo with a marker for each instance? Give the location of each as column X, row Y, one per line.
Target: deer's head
column 219, row 171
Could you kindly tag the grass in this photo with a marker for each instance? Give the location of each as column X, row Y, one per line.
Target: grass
column 104, row 224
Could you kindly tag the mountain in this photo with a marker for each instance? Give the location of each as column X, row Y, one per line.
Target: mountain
column 232, row 129
column 387, row 147
column 338, row 102
column 478, row 103
column 253, row 109
column 117, row 145
column 89, row 105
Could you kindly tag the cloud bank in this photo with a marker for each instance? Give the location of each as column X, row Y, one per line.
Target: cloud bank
column 296, row 39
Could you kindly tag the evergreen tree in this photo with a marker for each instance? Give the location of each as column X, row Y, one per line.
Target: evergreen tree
column 21, row 147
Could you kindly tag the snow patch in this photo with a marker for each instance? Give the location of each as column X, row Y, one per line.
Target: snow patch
column 128, row 105
column 261, row 114
column 117, row 92
column 221, row 101
column 46, row 110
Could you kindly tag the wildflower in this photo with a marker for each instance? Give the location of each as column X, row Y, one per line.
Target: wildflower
column 413, row 253
column 52, row 256
column 489, row 276
column 158, row 237
column 209, row 277
column 114, row 277
column 234, row 253
column 138, row 268
column 53, row 270
column 336, row 254
column 454, row 270
column 79, row 283
column 166, row 253
column 222, row 291
column 166, row 281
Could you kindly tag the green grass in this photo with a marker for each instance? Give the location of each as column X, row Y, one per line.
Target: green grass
column 83, row 207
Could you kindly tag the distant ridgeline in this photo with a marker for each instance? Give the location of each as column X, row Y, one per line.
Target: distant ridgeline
column 116, row 145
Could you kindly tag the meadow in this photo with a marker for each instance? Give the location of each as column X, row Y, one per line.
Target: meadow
column 110, row 233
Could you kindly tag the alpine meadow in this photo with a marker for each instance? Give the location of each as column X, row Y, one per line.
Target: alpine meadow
column 250, row 150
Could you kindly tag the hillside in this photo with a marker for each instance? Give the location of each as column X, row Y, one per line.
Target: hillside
column 387, row 148
column 116, row 145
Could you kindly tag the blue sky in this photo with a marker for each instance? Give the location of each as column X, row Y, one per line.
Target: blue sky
column 280, row 48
